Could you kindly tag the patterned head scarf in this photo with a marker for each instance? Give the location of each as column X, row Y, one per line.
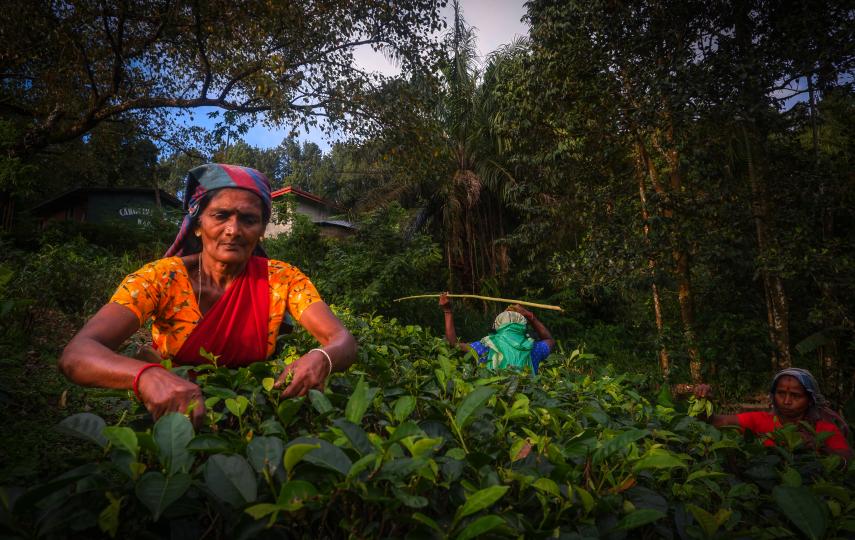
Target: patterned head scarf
column 508, row 317
column 819, row 408
column 202, row 181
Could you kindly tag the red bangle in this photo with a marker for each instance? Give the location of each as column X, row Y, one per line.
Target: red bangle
column 137, row 378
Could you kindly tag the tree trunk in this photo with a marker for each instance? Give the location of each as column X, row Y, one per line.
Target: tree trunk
column 682, row 272
column 687, row 314
column 777, row 304
column 664, row 360
column 7, row 211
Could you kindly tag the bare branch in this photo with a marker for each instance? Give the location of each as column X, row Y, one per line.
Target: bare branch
column 200, row 41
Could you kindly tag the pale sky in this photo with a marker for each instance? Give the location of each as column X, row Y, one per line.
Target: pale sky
column 497, row 22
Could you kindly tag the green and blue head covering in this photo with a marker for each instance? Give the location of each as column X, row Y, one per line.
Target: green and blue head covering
column 510, row 346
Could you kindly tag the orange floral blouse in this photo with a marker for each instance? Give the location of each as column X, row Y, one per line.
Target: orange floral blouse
column 161, row 291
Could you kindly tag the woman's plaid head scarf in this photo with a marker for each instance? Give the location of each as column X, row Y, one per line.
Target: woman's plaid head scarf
column 202, row 181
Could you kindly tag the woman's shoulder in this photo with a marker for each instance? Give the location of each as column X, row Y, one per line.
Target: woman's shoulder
column 282, row 268
column 167, row 267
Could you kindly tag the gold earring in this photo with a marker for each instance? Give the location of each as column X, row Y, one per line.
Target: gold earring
column 198, row 233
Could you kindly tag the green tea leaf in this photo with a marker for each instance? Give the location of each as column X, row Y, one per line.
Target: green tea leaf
column 480, row 526
column 547, row 485
column 208, row 443
column 407, row 429
column 697, row 475
column 359, row 401
column 86, row 426
column 265, row 453
column 481, row 500
column 258, row 511
column 267, row 383
column 327, row 456
column 471, row 403
column 586, row 499
column 399, row 469
column 421, row 518
column 519, row 409
column 361, row 464
column 704, row 519
column 294, row 454
column 356, row 435
column 802, row 508
column 237, row 406
column 637, row 518
column 108, row 519
column 319, row 401
column 619, row 442
column 157, row 491
column 412, row 501
column 456, row 453
column 231, row 479
column 403, row 408
column 172, row 433
column 658, row 458
column 123, row 438
column 288, row 409
column 791, row 477
column 293, row 493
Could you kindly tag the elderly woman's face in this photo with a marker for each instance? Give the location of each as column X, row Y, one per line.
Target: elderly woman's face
column 231, row 225
column 791, row 398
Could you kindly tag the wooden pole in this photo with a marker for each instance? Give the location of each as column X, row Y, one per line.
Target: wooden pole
column 488, row 298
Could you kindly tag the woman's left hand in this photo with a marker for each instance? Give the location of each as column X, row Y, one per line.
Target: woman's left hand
column 522, row 311
column 310, row 371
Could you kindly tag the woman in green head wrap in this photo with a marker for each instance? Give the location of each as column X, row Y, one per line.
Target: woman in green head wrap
column 509, row 346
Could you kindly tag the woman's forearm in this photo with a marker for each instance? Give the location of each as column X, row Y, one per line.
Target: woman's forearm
column 86, row 362
column 90, row 359
column 342, row 350
column 450, row 331
column 541, row 330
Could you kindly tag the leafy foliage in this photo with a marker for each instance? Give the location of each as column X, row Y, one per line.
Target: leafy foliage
column 416, row 441
column 367, row 271
column 68, row 69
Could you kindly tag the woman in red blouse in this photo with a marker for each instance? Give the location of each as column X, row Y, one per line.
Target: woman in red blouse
column 795, row 398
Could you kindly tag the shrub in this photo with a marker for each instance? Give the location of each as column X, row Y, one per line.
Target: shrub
column 413, row 441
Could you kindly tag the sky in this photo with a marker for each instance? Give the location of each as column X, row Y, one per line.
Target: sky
column 497, row 22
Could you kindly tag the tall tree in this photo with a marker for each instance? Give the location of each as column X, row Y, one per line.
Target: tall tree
column 66, row 67
column 446, row 163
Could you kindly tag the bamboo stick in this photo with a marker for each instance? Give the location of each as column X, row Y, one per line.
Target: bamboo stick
column 488, row 298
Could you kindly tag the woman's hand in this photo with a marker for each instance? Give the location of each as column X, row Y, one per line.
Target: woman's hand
column 444, row 302
column 164, row 392
column 702, row 391
column 522, row 311
column 309, row 371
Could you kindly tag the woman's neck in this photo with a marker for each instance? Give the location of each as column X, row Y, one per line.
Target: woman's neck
column 219, row 274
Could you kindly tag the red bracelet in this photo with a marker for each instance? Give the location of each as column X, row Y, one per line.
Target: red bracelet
column 137, row 378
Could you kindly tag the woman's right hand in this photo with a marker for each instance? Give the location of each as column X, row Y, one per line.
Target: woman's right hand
column 702, row 391
column 164, row 392
column 444, row 302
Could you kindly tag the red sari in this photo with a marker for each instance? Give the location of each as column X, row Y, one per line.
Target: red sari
column 235, row 328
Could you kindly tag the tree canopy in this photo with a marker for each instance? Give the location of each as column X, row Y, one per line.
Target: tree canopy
column 68, row 66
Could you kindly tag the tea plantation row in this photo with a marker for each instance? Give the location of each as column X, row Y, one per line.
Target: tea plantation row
column 415, row 442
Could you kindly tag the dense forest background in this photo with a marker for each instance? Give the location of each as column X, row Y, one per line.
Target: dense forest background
column 678, row 176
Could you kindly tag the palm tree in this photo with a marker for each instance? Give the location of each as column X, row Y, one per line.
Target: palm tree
column 449, row 167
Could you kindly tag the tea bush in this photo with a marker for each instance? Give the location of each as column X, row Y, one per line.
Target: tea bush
column 415, row 442
column 74, row 276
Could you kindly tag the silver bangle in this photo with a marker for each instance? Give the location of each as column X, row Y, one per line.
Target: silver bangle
column 329, row 360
